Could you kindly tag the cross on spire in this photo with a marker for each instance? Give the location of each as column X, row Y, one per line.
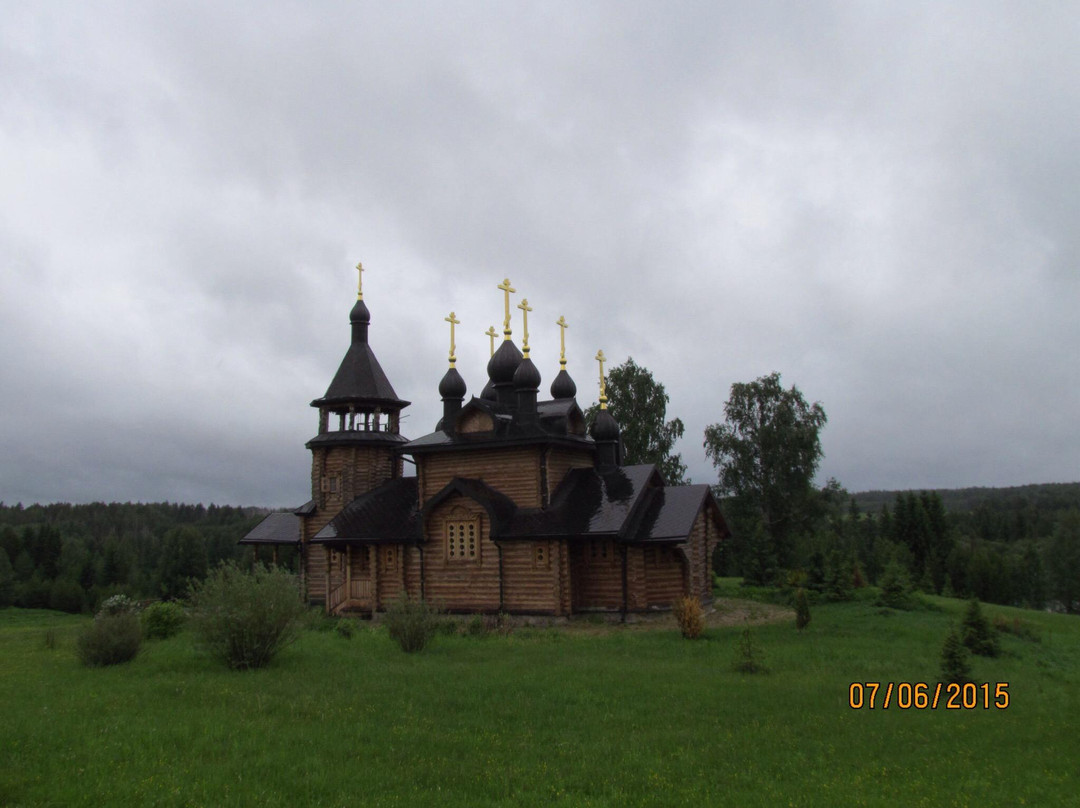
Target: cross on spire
column 561, row 323
column 360, row 281
column 603, row 388
column 453, row 320
column 525, row 309
column 491, row 333
column 507, row 289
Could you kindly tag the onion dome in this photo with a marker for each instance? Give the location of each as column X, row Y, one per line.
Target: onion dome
column 563, row 386
column 526, row 377
column 452, row 385
column 504, row 363
column 604, row 427
column 360, row 318
column 488, row 393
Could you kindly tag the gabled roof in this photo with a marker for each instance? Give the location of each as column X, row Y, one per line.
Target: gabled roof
column 500, row 508
column 387, row 513
column 670, row 512
column 360, row 379
column 277, row 528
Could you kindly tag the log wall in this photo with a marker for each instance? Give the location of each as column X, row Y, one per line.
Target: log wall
column 596, row 575
column 665, row 575
column 465, row 585
column 513, row 472
column 530, row 584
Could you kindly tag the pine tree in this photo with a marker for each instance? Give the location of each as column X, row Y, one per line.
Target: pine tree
column 977, row 633
column 954, row 660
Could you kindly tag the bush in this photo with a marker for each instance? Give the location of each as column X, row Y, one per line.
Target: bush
column 66, row 596
column 244, row 618
column 976, row 633
column 110, row 639
column 1017, row 627
column 954, row 660
column 118, row 604
column 802, row 610
column 345, row 628
column 162, row 620
column 411, row 623
column 690, row 617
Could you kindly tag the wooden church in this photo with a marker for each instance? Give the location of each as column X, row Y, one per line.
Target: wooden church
column 513, row 508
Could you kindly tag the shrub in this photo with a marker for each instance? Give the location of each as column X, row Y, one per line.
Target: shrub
column 954, row 660
column 66, row 596
column 244, row 618
column 1017, row 627
column 802, row 609
column 690, row 617
column 748, row 658
column 118, row 604
column 976, row 633
column 110, row 639
column 345, row 628
column 895, row 587
column 411, row 623
column 162, row 620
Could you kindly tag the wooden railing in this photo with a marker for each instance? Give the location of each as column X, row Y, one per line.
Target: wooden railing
column 359, row 589
column 335, row 598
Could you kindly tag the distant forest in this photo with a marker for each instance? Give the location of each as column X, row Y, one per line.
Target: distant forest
column 71, row 557
column 1017, row 546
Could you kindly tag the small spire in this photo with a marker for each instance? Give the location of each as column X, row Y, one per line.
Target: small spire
column 603, row 388
column 507, row 289
column 525, row 309
column 561, row 323
column 453, row 320
column 491, row 333
column 360, row 281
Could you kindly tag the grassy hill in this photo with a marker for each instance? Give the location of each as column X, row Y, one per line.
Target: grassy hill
column 582, row 715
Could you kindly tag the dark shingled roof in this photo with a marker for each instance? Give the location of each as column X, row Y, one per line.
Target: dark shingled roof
column 277, row 528
column 589, row 503
column 387, row 513
column 500, row 507
column 356, row 436
column 360, row 379
column 669, row 513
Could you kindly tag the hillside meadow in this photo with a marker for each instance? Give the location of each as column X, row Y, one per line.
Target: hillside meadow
column 583, row 715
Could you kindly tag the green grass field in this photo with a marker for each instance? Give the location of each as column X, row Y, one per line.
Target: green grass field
column 574, row 716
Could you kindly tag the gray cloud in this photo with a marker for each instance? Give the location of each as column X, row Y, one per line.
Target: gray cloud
column 879, row 202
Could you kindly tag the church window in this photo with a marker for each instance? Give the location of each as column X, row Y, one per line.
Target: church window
column 462, row 539
column 391, row 558
column 540, row 555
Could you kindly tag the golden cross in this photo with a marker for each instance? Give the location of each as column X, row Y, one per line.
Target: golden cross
column 453, row 321
column 561, row 323
column 603, row 389
column 525, row 309
column 491, row 333
column 507, row 289
column 360, row 281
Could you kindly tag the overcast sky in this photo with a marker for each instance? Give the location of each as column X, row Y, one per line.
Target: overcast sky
column 879, row 201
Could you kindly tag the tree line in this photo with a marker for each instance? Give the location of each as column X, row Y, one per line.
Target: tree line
column 72, row 557
column 1018, row 546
